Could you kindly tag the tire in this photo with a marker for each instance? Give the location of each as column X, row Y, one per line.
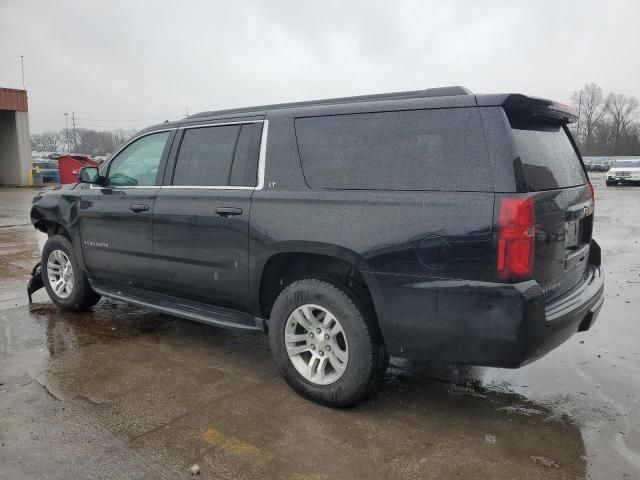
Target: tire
column 78, row 295
column 610, row 184
column 359, row 342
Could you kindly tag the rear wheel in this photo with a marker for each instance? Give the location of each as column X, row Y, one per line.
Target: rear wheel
column 326, row 343
column 64, row 280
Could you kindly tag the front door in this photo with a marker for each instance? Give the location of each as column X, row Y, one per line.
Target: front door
column 115, row 219
column 201, row 214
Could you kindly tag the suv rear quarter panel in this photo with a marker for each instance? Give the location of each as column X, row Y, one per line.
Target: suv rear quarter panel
column 402, row 242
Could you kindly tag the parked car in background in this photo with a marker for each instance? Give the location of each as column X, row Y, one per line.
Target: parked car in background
column 599, row 165
column 624, row 172
column 49, row 170
column 587, row 163
column 433, row 224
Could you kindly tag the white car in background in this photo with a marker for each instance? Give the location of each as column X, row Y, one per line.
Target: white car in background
column 624, row 172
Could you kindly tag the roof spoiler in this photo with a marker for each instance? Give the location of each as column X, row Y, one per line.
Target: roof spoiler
column 533, row 107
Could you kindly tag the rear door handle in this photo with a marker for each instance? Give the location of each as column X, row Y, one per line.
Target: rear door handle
column 138, row 207
column 228, row 211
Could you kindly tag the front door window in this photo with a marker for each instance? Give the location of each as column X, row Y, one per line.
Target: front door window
column 137, row 165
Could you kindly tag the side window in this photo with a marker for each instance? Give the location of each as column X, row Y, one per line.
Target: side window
column 206, row 155
column 244, row 172
column 137, row 165
column 406, row 150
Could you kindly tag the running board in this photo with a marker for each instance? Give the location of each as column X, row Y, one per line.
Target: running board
column 180, row 307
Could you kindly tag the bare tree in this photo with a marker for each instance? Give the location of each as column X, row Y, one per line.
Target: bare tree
column 623, row 111
column 52, row 140
column 47, row 141
column 94, row 142
column 592, row 107
column 36, row 142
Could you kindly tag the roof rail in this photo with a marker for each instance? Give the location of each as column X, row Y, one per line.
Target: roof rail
column 429, row 92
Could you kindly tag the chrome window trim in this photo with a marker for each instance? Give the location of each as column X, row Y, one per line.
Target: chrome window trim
column 262, row 157
column 205, row 187
column 96, row 187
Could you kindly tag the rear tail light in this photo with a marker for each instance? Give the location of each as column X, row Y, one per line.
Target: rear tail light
column 593, row 194
column 516, row 237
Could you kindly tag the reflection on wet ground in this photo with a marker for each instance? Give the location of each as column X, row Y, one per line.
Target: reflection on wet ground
column 123, row 392
column 178, row 393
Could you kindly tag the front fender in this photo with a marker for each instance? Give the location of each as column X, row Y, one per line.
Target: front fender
column 56, row 212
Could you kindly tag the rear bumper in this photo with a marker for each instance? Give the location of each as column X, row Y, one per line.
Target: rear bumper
column 489, row 324
column 575, row 312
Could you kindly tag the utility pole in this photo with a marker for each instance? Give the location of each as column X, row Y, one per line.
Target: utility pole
column 187, row 110
column 66, row 131
column 75, row 139
column 22, row 65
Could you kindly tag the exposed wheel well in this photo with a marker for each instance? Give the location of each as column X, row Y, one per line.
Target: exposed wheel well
column 52, row 228
column 285, row 268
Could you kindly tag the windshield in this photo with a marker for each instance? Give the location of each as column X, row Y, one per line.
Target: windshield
column 627, row 164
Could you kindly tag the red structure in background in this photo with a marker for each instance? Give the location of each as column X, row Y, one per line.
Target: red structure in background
column 70, row 165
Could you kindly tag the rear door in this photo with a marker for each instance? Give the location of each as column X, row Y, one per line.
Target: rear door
column 549, row 165
column 201, row 214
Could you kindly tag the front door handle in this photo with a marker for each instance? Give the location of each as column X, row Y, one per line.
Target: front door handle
column 228, row 211
column 138, row 207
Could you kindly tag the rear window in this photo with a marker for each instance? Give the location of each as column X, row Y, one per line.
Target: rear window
column 408, row 150
column 547, row 159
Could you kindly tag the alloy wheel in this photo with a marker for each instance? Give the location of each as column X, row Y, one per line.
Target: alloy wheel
column 60, row 273
column 316, row 344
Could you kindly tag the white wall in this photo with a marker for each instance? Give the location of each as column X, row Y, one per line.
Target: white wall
column 24, row 145
column 15, row 147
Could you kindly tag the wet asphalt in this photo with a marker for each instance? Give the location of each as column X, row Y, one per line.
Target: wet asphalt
column 124, row 392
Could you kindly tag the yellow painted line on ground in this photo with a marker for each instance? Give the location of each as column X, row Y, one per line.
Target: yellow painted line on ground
column 235, row 446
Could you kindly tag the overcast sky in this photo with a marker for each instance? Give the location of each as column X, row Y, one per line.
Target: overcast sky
column 129, row 64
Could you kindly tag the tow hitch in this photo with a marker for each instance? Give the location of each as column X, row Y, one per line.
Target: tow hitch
column 35, row 282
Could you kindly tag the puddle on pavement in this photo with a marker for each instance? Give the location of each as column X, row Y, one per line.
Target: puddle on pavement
column 161, row 384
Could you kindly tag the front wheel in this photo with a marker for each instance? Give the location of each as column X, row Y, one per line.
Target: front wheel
column 65, row 282
column 326, row 342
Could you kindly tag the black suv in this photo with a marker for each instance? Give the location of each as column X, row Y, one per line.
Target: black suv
column 433, row 224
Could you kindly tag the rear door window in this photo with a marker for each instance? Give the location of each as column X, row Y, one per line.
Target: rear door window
column 547, row 159
column 405, row 150
column 205, row 156
column 244, row 171
column 218, row 156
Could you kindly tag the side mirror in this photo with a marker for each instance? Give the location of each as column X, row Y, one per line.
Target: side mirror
column 89, row 175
